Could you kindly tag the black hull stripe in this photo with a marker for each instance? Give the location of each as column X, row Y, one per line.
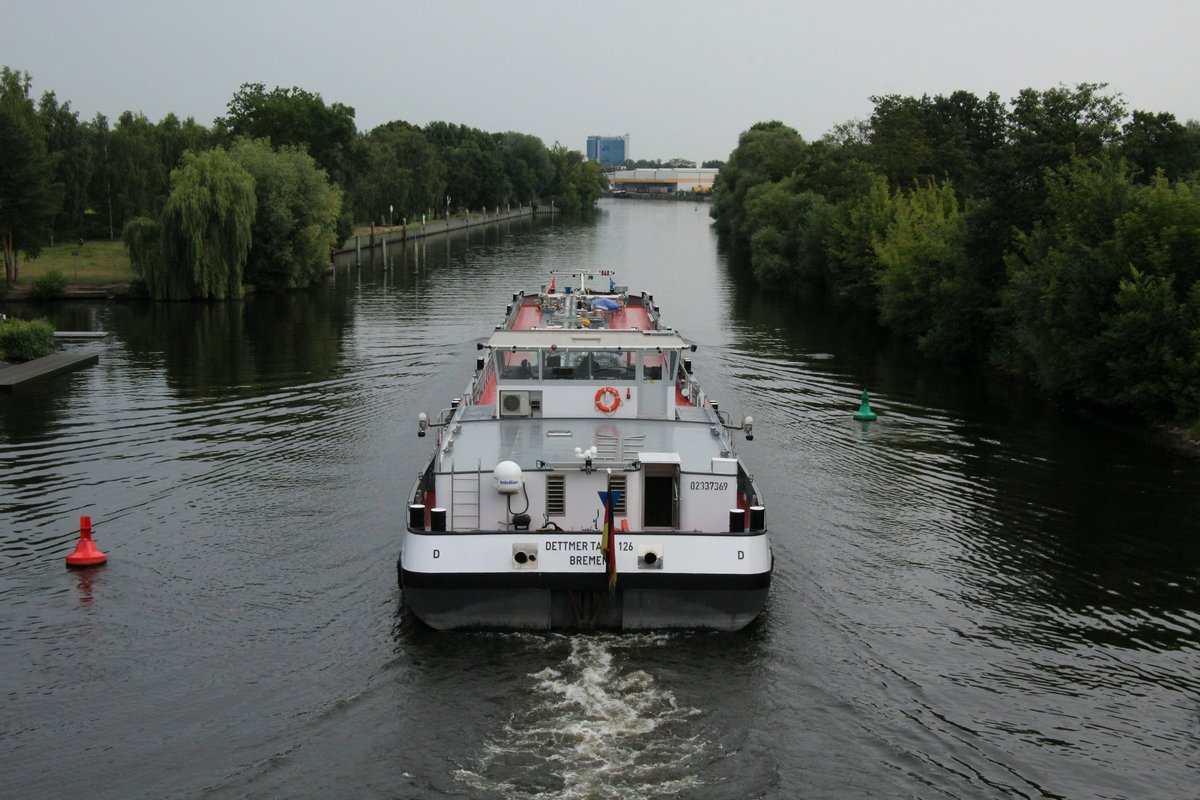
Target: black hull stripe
column 582, row 581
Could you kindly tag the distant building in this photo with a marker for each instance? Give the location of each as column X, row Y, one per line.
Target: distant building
column 608, row 149
column 662, row 181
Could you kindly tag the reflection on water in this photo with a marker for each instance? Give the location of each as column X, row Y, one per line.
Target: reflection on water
column 978, row 595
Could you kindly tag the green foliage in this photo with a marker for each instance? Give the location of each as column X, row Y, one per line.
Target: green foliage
column 926, row 289
column 527, row 162
column 1151, row 348
column 299, row 118
column 1055, row 235
column 853, row 263
column 295, row 226
column 912, row 140
column 768, row 152
column 29, row 195
column 98, row 176
column 406, row 177
column 1103, row 301
column 204, row 234
column 143, row 238
column 790, row 227
column 67, row 138
column 21, row 340
column 1157, row 142
column 1062, row 278
column 577, row 183
column 49, row 285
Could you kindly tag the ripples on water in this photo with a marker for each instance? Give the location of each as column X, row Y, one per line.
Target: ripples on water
column 979, row 595
column 1007, row 611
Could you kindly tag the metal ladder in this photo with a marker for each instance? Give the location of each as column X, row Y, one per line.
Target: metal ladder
column 464, row 498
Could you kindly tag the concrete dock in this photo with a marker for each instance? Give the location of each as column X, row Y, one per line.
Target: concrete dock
column 16, row 375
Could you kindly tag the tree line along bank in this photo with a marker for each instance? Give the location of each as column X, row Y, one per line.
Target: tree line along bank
column 1056, row 236
column 261, row 196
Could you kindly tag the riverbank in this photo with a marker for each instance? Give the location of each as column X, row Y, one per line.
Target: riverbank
column 366, row 238
column 101, row 270
column 95, row 270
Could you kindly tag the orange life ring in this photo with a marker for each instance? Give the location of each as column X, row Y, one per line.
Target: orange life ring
column 608, row 408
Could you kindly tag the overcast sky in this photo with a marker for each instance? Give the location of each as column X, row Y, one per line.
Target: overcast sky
column 683, row 79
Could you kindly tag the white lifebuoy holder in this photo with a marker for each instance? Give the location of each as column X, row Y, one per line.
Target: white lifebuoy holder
column 608, row 407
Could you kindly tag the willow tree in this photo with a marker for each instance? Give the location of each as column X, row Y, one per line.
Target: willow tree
column 205, row 231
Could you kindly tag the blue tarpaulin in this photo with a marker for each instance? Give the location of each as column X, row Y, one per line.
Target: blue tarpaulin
column 605, row 303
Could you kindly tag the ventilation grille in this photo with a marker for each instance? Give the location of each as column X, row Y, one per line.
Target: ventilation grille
column 556, row 495
column 607, row 447
column 616, row 483
column 632, row 445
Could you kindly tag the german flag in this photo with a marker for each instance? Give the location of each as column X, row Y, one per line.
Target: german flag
column 608, row 540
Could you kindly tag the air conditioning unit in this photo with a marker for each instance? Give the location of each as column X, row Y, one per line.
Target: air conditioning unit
column 514, row 404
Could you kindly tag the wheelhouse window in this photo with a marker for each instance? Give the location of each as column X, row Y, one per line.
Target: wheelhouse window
column 520, row 365
column 657, row 366
column 589, row 365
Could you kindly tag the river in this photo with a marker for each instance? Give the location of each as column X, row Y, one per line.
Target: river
column 979, row 595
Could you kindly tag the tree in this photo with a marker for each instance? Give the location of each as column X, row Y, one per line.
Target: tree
column 300, row 118
column 1153, row 142
column 67, row 140
column 1151, row 342
column 769, row 151
column 577, row 183
column 527, row 162
column 100, row 190
column 403, row 171
column 789, row 226
column 295, row 224
column 176, row 138
column 198, row 249
column 139, row 177
column 853, row 262
column 1045, row 131
column 29, row 195
column 1062, row 278
column 926, row 289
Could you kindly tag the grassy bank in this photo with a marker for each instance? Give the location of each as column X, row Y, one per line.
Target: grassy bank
column 98, row 264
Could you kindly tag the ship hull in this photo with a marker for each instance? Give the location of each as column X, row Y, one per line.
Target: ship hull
column 564, row 602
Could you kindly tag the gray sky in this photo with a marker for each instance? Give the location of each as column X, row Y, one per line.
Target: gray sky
column 682, row 78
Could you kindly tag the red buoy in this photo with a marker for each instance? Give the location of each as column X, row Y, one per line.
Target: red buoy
column 86, row 553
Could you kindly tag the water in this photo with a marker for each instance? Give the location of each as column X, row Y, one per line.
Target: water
column 978, row 595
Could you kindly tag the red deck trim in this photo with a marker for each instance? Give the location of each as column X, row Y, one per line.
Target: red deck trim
column 629, row 317
column 488, row 394
column 528, row 318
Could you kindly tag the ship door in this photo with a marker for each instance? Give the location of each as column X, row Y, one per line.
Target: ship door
column 660, row 496
column 658, row 383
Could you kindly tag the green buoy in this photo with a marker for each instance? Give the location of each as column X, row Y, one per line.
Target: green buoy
column 864, row 413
